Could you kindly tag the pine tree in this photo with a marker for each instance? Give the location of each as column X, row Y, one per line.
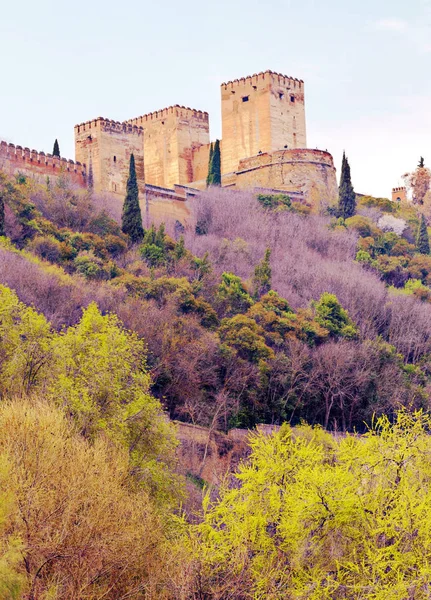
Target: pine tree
column 346, row 193
column 262, row 275
column 2, row 232
column 209, row 163
column 422, row 239
column 131, row 220
column 421, row 163
column 56, row 149
column 214, row 175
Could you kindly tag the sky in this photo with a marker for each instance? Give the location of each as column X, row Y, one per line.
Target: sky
column 366, row 66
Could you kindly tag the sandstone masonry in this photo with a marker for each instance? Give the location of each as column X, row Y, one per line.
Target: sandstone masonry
column 264, row 145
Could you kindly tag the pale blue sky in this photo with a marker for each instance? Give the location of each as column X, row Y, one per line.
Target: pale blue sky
column 366, row 65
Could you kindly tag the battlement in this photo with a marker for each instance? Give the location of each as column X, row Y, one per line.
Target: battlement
column 176, row 111
column 107, row 125
column 264, row 76
column 10, row 152
column 399, row 189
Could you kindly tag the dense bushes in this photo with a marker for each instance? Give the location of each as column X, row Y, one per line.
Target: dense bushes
column 315, row 517
column 77, row 525
column 219, row 336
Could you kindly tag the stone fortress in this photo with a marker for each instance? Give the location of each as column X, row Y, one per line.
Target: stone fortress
column 263, row 146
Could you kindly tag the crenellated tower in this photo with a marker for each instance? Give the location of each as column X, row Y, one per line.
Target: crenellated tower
column 172, row 135
column 105, row 146
column 261, row 113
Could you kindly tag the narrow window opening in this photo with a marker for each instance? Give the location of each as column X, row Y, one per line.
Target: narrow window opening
column 292, row 98
column 245, row 98
column 281, row 95
column 115, row 159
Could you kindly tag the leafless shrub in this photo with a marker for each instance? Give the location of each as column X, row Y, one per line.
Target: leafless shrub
column 307, row 259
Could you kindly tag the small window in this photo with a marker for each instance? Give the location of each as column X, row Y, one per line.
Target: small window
column 245, row 98
column 292, row 98
column 281, row 95
column 115, row 159
column 114, row 187
column 255, row 87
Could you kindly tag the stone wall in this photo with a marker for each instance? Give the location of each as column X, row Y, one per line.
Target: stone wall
column 311, row 172
column 172, row 135
column 261, row 113
column 105, row 146
column 200, row 165
column 39, row 166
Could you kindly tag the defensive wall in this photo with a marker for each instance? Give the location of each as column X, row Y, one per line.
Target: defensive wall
column 311, row 172
column 263, row 146
column 212, row 455
column 38, row 165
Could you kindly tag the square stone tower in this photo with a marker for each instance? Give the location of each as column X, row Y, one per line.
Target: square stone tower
column 261, row 113
column 105, row 147
column 172, row 135
column 399, row 194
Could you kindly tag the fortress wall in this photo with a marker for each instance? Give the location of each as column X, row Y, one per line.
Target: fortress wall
column 38, row 165
column 309, row 171
column 107, row 145
column 261, row 113
column 162, row 206
column 200, row 162
column 171, row 136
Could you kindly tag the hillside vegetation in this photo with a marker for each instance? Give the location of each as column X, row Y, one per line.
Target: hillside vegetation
column 255, row 311
column 266, row 316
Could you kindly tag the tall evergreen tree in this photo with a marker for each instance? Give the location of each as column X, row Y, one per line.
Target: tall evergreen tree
column 214, row 175
column 90, row 180
column 56, row 149
column 262, row 275
column 209, row 163
column 131, row 220
column 421, row 163
column 2, row 232
column 346, row 193
column 422, row 239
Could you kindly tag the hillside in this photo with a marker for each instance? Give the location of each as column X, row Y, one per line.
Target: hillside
column 255, row 311
column 252, row 313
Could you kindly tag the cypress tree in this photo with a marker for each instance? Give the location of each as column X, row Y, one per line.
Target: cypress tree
column 56, row 149
column 209, row 164
column 131, row 219
column 216, row 164
column 346, row 193
column 214, row 175
column 90, row 180
column 2, row 232
column 422, row 239
column 262, row 275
